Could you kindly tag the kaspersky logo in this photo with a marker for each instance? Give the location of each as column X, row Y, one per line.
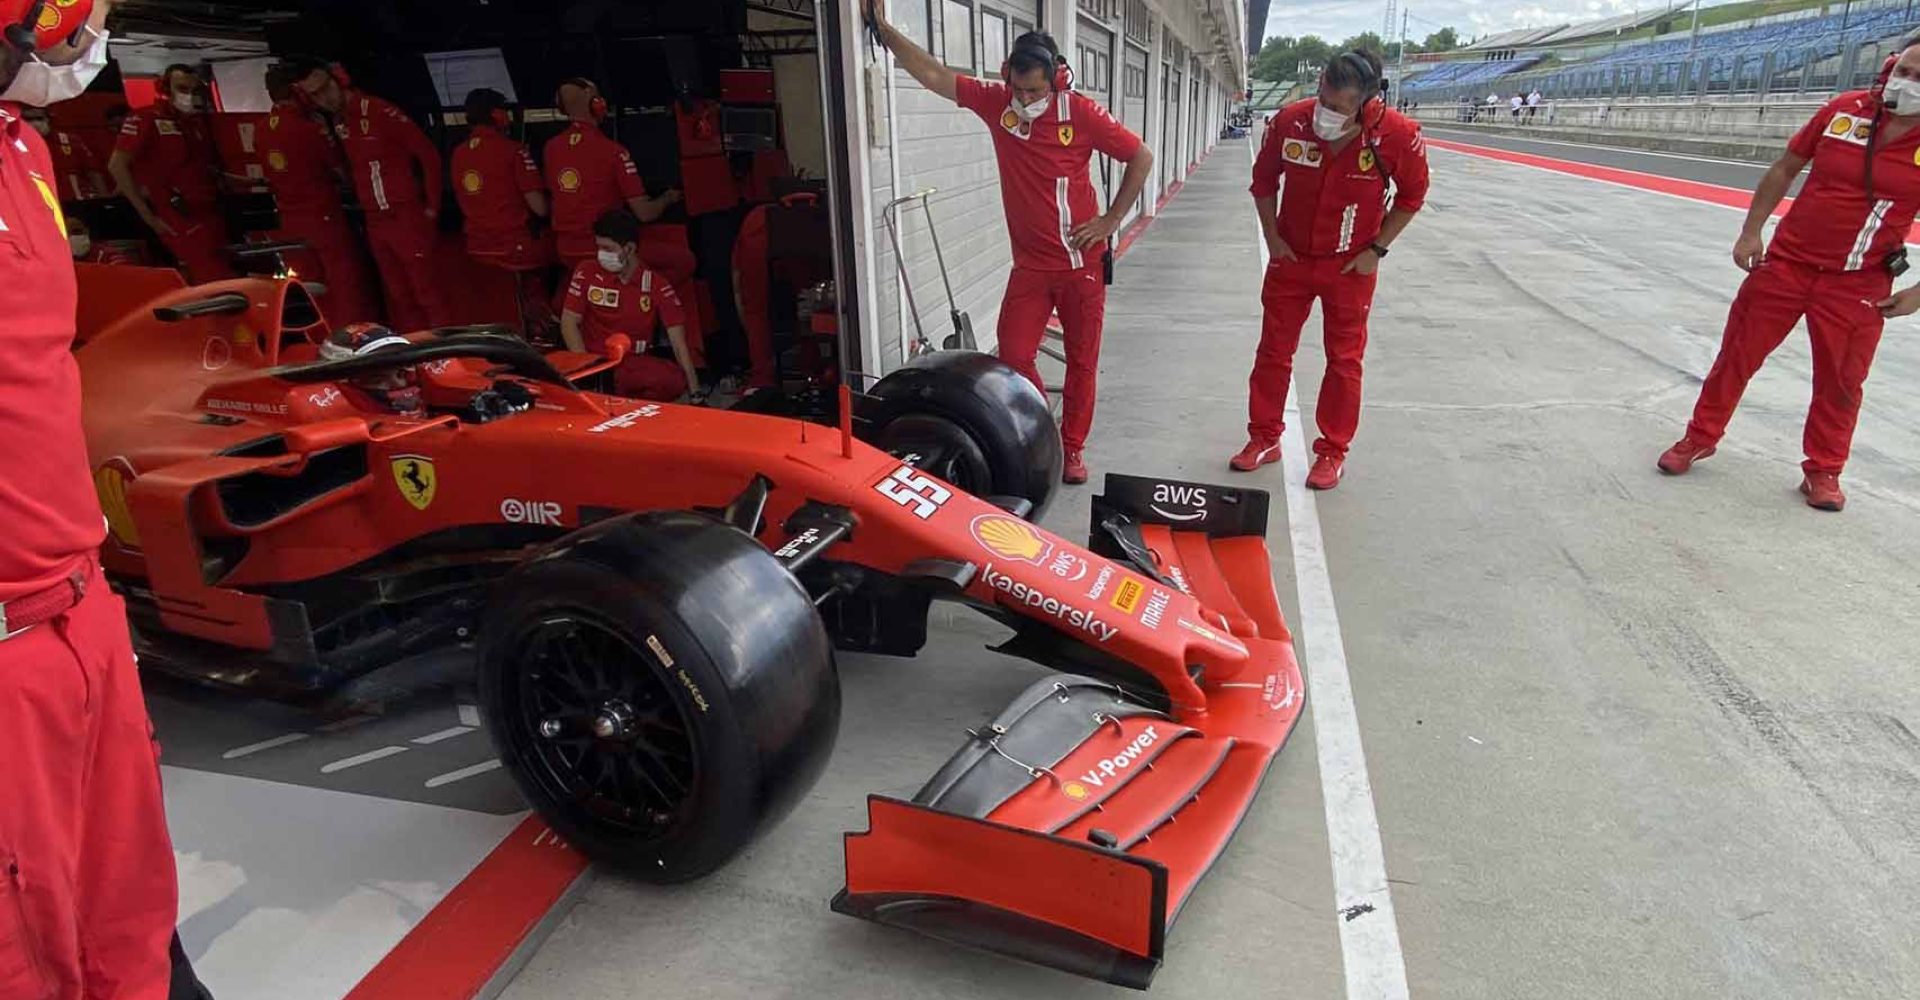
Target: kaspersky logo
column 1020, row 595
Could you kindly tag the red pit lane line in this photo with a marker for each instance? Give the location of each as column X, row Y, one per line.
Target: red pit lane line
column 1696, row 190
column 464, row 941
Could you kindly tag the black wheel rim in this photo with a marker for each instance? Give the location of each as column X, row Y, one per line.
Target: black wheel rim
column 600, row 728
column 940, row 447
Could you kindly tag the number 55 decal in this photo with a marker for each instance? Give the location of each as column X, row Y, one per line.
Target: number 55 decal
column 908, row 488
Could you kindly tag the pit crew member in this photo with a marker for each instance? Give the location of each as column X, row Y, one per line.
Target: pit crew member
column 304, row 168
column 504, row 199
column 165, row 164
column 617, row 293
column 1832, row 260
column 590, row 175
column 87, row 885
column 396, row 175
column 1044, row 136
column 1326, row 233
column 78, row 167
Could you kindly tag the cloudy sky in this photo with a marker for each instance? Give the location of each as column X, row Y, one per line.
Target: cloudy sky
column 1338, row 19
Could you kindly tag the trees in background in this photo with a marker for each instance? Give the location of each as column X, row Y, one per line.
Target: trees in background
column 1282, row 55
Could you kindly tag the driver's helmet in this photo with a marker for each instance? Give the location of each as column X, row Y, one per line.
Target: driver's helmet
column 398, row 388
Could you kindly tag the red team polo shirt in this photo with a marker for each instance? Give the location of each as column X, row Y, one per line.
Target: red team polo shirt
column 382, row 145
column 1333, row 202
column 75, row 163
column 49, row 515
column 588, row 175
column 639, row 308
column 491, row 177
column 301, row 159
column 1831, row 225
column 1044, row 181
column 172, row 153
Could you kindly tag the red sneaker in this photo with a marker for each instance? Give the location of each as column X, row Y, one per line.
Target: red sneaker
column 1255, row 454
column 1823, row 491
column 1326, row 472
column 1675, row 461
column 1074, row 471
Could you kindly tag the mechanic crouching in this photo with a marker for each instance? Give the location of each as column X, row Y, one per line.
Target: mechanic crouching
column 617, row 293
column 1326, row 234
column 1833, row 261
column 87, row 890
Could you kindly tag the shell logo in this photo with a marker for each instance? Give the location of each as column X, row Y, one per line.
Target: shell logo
column 1009, row 120
column 1841, row 125
column 569, row 180
column 472, row 182
column 278, row 161
column 1011, row 539
column 1074, row 790
column 1294, row 150
column 110, row 483
column 49, row 19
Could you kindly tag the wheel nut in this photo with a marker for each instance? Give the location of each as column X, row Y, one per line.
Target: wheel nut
column 550, row 728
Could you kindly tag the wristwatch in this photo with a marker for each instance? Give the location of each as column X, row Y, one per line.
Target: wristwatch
column 1378, row 250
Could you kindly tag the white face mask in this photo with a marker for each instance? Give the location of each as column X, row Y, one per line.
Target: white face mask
column 81, row 243
column 39, row 84
column 185, row 104
column 613, row 260
column 1030, row 112
column 1902, row 97
column 1329, row 124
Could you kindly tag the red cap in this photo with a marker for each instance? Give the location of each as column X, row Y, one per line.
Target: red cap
column 53, row 21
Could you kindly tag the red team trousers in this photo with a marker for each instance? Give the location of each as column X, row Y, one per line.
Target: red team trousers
column 350, row 295
column 1080, row 298
column 1287, row 297
column 87, row 890
column 198, row 242
column 403, row 243
column 1844, row 326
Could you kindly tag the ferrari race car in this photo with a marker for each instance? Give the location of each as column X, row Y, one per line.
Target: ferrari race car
column 654, row 594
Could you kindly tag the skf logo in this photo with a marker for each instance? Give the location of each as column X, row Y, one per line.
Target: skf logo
column 415, row 477
column 1847, row 128
column 1066, row 135
column 278, row 161
column 540, row 512
column 1366, row 160
column 472, row 181
column 570, row 178
column 605, row 297
column 110, row 482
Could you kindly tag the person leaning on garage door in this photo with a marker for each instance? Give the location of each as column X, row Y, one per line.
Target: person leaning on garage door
column 87, row 891
column 1044, row 136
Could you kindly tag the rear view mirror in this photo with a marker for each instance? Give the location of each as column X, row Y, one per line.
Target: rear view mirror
column 310, row 438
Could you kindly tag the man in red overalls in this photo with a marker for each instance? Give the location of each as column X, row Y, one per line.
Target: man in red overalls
column 166, row 167
column 1832, row 260
column 616, row 293
column 503, row 198
column 396, row 173
column 87, row 891
column 1044, row 136
column 1326, row 235
column 303, row 167
column 78, row 167
column 589, row 175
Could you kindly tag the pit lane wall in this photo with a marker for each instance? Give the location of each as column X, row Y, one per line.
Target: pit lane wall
column 1166, row 68
column 1754, row 130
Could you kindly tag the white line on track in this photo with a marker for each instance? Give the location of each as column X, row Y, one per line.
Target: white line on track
column 444, row 734
column 1369, row 933
column 253, row 748
column 361, row 758
column 470, row 716
column 463, row 774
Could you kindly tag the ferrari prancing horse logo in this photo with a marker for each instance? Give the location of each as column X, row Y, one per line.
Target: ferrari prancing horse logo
column 1066, row 135
column 415, row 476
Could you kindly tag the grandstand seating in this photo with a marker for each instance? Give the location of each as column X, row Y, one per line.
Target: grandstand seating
column 1463, row 74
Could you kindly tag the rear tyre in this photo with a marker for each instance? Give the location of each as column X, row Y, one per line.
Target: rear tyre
column 970, row 414
column 661, row 689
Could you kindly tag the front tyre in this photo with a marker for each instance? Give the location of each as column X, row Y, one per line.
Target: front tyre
column 661, row 689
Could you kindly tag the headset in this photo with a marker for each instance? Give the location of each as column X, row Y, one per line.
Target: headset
column 1369, row 99
column 1043, row 48
column 35, row 28
column 597, row 108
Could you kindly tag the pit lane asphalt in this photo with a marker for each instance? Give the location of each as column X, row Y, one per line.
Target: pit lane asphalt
column 1629, row 736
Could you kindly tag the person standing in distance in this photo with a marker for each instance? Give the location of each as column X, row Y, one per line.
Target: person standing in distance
column 1832, row 260
column 165, row 164
column 1339, row 153
column 589, row 175
column 1044, row 136
column 87, row 887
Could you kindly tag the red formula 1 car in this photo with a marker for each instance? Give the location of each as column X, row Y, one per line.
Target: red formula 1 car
column 654, row 595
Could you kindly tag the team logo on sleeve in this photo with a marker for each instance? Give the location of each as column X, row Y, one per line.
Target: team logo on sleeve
column 1066, row 135
column 1306, row 154
column 569, row 180
column 1848, row 128
column 606, row 298
column 1366, row 160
